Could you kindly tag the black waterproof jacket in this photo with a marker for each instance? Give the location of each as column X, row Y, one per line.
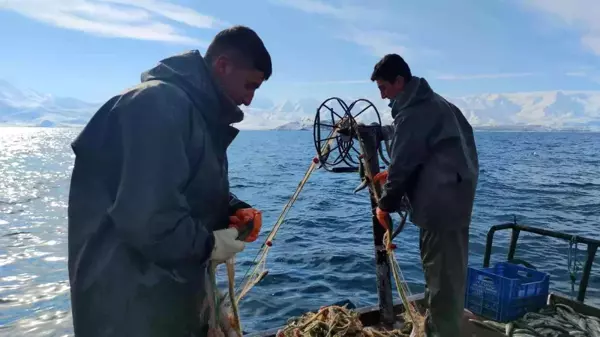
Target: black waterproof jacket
column 433, row 159
column 149, row 185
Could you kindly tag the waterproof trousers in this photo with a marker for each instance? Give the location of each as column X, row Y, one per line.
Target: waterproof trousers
column 444, row 254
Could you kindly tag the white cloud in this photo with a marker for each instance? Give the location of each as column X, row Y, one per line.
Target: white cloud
column 135, row 19
column 580, row 14
column 331, row 82
column 447, row 77
column 173, row 12
column 450, row 77
column 376, row 42
column 593, row 76
column 577, row 74
column 342, row 12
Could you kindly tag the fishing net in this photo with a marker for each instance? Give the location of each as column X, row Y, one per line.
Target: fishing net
column 214, row 310
column 336, row 321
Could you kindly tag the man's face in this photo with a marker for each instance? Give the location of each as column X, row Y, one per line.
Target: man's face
column 389, row 90
column 238, row 82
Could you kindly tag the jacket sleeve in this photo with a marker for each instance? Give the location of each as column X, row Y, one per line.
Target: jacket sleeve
column 387, row 132
column 236, row 204
column 409, row 151
column 150, row 211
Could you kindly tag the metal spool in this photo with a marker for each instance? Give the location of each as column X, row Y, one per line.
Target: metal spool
column 332, row 114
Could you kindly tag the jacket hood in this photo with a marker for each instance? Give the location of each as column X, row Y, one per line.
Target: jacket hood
column 415, row 92
column 189, row 72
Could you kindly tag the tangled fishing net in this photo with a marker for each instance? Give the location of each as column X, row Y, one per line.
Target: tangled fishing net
column 215, row 311
column 336, row 321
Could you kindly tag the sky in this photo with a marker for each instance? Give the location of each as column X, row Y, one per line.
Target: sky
column 94, row 49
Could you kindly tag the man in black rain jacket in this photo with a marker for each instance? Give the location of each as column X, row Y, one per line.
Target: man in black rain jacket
column 434, row 162
column 149, row 201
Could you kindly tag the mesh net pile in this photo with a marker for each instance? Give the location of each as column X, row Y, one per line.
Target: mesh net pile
column 336, row 321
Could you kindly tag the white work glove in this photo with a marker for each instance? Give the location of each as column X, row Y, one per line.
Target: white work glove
column 226, row 245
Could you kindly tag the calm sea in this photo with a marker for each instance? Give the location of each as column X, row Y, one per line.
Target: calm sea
column 323, row 252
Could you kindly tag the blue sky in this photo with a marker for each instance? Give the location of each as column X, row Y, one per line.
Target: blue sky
column 93, row 49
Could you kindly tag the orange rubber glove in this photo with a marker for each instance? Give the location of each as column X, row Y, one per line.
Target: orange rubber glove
column 234, row 221
column 383, row 218
column 381, row 177
column 248, row 221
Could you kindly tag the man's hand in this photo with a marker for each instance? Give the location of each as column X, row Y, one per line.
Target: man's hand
column 248, row 221
column 383, row 217
column 226, row 245
column 347, row 130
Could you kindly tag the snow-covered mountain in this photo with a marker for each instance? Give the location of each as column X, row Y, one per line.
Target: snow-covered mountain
column 27, row 107
column 578, row 110
column 549, row 110
column 300, row 114
column 553, row 109
column 305, row 123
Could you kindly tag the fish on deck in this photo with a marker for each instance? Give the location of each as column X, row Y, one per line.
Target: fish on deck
column 554, row 320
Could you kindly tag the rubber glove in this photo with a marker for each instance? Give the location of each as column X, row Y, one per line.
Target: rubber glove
column 226, row 244
column 383, row 218
column 247, row 217
column 381, row 177
column 245, row 214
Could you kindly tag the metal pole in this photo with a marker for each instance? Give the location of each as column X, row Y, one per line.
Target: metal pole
column 382, row 266
column 587, row 270
column 514, row 237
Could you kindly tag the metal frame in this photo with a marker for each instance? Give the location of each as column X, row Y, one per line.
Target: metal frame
column 343, row 147
column 382, row 263
column 370, row 139
column 592, row 248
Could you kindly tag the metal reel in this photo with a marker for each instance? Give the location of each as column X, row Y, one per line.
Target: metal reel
column 332, row 148
column 328, row 144
column 367, row 114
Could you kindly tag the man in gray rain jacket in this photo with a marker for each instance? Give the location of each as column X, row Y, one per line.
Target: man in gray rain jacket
column 149, row 201
column 434, row 162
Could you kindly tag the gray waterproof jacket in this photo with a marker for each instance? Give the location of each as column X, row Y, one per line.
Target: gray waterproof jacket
column 433, row 159
column 149, row 185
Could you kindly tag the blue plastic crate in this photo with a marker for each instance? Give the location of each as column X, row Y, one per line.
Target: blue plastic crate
column 506, row 291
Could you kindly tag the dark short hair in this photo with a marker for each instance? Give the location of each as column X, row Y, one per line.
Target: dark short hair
column 243, row 44
column 390, row 67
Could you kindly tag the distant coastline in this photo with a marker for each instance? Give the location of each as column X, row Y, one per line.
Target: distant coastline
column 549, row 111
column 509, row 128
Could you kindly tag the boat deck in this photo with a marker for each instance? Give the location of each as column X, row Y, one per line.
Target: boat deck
column 472, row 330
column 369, row 316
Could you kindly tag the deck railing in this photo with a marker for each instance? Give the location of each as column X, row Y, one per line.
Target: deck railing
column 592, row 248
